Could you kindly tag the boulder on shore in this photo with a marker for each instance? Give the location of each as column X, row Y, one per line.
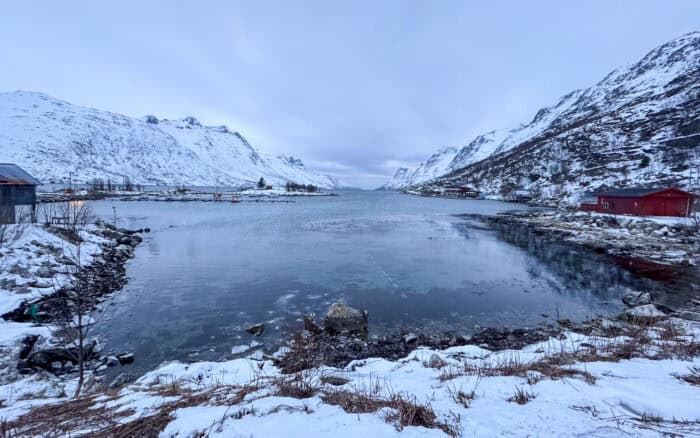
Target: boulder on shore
column 311, row 326
column 343, row 319
column 635, row 298
column 645, row 314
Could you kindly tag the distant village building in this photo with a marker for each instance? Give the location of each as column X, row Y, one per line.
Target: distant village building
column 17, row 188
column 451, row 192
column 643, row 202
column 460, row 192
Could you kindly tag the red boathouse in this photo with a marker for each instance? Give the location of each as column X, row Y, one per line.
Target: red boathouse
column 643, row 202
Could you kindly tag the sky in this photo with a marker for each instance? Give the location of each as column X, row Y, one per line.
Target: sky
column 355, row 89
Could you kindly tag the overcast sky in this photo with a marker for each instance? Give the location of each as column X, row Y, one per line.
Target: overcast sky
column 354, row 88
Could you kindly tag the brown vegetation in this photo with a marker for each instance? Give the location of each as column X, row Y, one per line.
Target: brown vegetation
column 406, row 411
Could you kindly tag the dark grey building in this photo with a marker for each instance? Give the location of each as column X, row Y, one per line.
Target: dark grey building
column 17, row 187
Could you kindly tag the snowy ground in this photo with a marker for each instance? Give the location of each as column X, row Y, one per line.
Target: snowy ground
column 575, row 386
column 35, row 265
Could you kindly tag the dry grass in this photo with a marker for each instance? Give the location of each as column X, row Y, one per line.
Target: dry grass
column 670, row 343
column 693, row 377
column 406, row 411
column 296, row 387
column 91, row 414
column 61, row 419
column 668, row 331
column 461, row 397
column 521, row 396
column 555, row 367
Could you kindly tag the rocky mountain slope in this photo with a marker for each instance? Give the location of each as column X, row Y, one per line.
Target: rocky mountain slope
column 437, row 165
column 51, row 138
column 640, row 125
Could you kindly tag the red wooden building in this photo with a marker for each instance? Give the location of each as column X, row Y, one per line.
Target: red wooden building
column 643, row 202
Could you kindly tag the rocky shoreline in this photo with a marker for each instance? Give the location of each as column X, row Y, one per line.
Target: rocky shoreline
column 665, row 242
column 327, row 345
column 90, row 285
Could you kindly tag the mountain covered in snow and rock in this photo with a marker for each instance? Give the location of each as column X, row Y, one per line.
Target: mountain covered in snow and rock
column 51, row 138
column 437, row 165
column 640, row 125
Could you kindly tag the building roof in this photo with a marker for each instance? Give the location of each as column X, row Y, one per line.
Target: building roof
column 636, row 191
column 16, row 175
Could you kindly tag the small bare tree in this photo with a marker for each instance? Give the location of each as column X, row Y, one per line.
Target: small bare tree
column 76, row 321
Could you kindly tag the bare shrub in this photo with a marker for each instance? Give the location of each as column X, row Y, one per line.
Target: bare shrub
column 521, row 396
column 72, row 214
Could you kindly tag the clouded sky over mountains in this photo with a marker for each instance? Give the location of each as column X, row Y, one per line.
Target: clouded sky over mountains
column 354, row 88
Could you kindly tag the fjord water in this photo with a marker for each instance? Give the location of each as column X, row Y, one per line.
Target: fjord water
column 209, row 270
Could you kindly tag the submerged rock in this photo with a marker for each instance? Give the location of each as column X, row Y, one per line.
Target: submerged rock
column 343, row 319
column 256, row 329
column 635, row 298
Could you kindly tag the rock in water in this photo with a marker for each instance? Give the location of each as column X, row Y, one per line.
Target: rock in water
column 342, row 319
column 634, row 298
column 646, row 314
column 126, row 358
column 256, row 329
column 311, row 326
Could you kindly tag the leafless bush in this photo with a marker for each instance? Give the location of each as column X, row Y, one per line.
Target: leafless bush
column 72, row 214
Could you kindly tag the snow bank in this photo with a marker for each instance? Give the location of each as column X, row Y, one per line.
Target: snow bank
column 640, row 397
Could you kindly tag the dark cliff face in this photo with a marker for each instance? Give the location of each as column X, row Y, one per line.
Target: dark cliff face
column 640, row 125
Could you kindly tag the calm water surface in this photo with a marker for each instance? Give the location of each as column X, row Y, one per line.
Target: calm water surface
column 209, row 270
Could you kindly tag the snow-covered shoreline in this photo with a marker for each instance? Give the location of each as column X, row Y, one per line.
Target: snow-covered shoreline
column 38, row 296
column 620, row 379
column 663, row 240
column 250, row 195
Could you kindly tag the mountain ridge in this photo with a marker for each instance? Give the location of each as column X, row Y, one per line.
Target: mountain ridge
column 632, row 112
column 52, row 138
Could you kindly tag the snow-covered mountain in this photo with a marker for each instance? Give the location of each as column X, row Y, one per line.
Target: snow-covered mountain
column 640, row 125
column 437, row 165
column 50, row 138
